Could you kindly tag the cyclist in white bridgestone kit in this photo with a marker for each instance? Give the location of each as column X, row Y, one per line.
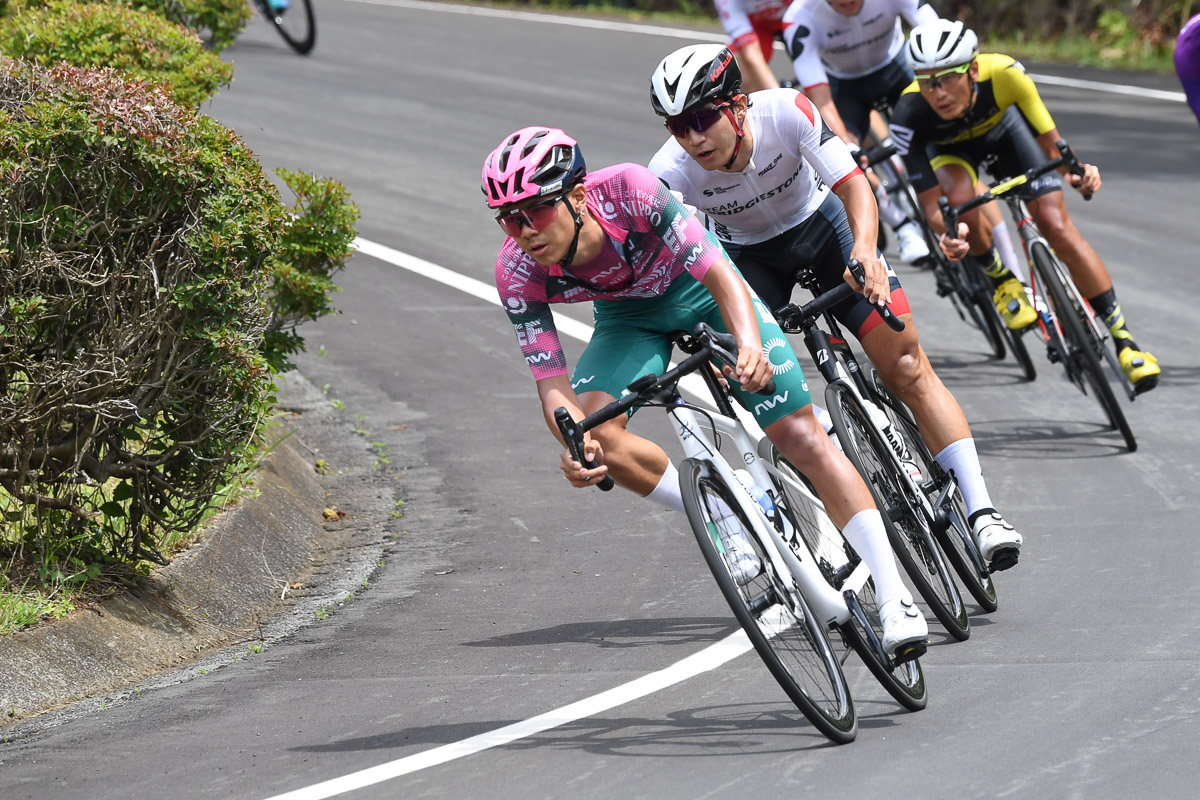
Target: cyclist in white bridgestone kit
column 752, row 26
column 845, row 56
column 617, row 237
column 760, row 168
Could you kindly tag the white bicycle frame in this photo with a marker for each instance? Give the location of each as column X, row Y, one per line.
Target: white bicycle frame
column 690, row 427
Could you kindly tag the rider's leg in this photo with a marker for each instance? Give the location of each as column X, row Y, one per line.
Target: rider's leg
column 958, row 181
column 907, row 373
column 806, row 445
column 849, row 504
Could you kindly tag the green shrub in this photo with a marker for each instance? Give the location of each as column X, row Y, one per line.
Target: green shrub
column 140, row 43
column 315, row 246
column 134, row 244
column 220, row 21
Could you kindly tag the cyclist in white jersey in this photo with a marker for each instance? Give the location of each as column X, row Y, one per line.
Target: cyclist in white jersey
column 752, row 27
column 761, row 170
column 845, row 56
column 848, row 55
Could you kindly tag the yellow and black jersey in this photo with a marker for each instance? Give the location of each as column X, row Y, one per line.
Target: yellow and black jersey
column 917, row 130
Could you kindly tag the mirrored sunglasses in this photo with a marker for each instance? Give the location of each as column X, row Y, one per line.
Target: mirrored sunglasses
column 699, row 120
column 537, row 217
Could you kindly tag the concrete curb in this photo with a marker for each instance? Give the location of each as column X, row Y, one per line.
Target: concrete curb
column 223, row 590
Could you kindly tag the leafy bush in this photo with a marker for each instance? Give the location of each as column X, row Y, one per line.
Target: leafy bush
column 220, row 20
column 140, row 43
column 315, row 246
column 134, row 242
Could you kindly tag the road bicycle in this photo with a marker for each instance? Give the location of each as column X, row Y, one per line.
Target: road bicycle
column 295, row 22
column 1074, row 335
column 813, row 600
column 962, row 281
column 924, row 513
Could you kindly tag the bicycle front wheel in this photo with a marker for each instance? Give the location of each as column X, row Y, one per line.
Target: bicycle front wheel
column 819, row 539
column 1084, row 350
column 789, row 639
column 295, row 22
column 908, row 529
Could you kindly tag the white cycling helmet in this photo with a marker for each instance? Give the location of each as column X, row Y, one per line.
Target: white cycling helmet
column 692, row 76
column 945, row 43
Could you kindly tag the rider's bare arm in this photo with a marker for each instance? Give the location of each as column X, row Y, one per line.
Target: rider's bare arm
column 733, row 297
column 756, row 73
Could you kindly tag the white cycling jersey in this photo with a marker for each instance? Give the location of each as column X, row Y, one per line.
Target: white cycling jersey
column 796, row 159
column 822, row 42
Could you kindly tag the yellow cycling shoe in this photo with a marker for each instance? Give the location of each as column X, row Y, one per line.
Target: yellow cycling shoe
column 1141, row 368
column 1013, row 305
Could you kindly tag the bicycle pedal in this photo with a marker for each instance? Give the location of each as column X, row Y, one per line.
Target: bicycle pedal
column 909, row 652
column 1052, row 355
column 1004, row 559
column 1145, row 384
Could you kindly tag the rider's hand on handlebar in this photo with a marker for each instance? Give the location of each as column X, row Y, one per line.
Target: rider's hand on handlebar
column 1088, row 182
column 955, row 248
column 753, row 368
column 575, row 473
column 875, row 286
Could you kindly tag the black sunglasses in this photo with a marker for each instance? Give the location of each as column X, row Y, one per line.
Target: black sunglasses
column 699, row 120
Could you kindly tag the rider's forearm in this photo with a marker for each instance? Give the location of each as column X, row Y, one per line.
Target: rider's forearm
column 1048, row 141
column 822, row 98
column 554, row 393
column 863, row 211
column 756, row 74
column 733, row 298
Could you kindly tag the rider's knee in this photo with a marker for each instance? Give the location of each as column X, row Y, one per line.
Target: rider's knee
column 909, row 372
column 801, row 438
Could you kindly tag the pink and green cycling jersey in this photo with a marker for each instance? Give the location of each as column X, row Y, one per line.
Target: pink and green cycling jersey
column 651, row 238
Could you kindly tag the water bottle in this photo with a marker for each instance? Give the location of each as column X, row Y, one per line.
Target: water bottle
column 760, row 495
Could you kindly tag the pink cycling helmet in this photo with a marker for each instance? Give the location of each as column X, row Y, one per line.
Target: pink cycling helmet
column 531, row 162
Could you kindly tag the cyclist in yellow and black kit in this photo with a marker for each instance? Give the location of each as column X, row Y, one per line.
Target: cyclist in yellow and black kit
column 966, row 108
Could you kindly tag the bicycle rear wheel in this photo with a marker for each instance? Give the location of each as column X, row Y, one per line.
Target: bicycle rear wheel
column 910, row 533
column 296, row 23
column 789, row 639
column 820, row 539
column 1016, row 345
column 955, row 536
column 1083, row 349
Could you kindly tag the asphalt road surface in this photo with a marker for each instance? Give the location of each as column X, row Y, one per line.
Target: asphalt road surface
column 531, row 596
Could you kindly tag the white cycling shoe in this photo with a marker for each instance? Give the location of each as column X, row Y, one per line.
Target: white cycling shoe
column 999, row 543
column 910, row 244
column 905, row 632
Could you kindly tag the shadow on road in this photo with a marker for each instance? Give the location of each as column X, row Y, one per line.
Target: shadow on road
column 621, row 633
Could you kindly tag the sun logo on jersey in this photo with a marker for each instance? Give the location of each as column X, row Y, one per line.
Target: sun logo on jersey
column 769, row 347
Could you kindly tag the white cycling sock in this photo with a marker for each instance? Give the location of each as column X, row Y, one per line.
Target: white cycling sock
column 892, row 215
column 823, row 418
column 866, row 534
column 1008, row 254
column 962, row 462
column 666, row 493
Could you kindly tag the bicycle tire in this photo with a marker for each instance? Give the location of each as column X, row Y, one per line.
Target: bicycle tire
column 298, row 30
column 910, row 534
column 988, row 320
column 955, row 539
column 1016, row 346
column 819, row 539
column 796, row 650
column 1083, row 350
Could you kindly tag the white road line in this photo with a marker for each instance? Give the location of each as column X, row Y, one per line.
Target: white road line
column 707, row 36
column 707, row 659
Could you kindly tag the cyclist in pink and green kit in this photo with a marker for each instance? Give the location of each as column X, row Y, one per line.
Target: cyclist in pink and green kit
column 619, row 238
